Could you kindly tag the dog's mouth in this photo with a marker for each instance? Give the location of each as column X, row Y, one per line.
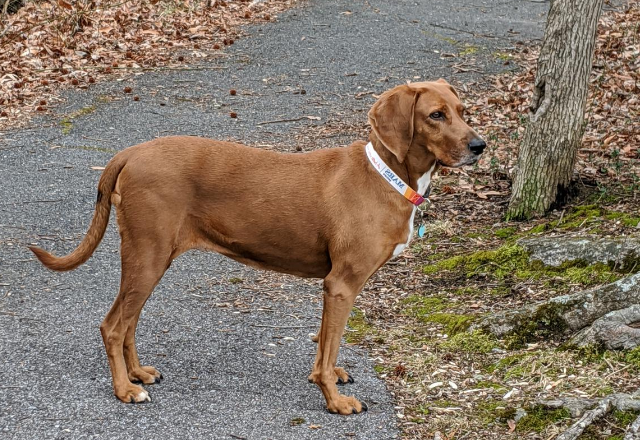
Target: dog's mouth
column 469, row 160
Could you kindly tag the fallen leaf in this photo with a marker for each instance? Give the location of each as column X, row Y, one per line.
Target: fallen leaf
column 64, row 4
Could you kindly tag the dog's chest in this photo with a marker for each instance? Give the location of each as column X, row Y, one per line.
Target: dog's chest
column 423, row 184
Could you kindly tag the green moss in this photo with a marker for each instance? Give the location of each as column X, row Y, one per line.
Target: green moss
column 430, row 310
column 488, row 384
column 494, row 411
column 103, row 99
column 296, row 421
column 92, row 148
column 442, row 403
column 538, row 229
column 506, row 232
column 440, row 37
column 546, row 322
column 472, row 342
column 359, row 327
column 469, row 49
column 624, row 218
column 502, row 56
column 84, row 111
column 453, row 324
column 501, row 262
column 465, row 291
column 379, row 369
column 624, row 418
column 235, row 280
column 420, row 306
column 66, row 125
column 633, row 357
column 506, row 362
column 67, row 121
column 580, row 215
column 539, row 417
column 512, row 261
column 587, row 214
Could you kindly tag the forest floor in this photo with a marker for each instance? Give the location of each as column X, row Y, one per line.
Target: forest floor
column 468, row 265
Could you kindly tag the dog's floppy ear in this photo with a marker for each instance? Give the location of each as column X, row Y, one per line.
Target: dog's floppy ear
column 391, row 119
column 444, row 81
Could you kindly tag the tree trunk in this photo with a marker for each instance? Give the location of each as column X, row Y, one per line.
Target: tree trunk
column 548, row 151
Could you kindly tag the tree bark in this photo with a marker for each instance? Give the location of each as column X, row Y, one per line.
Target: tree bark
column 548, row 151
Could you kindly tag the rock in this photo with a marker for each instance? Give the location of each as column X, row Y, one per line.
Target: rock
column 565, row 313
column 520, row 413
column 553, row 251
column 613, row 331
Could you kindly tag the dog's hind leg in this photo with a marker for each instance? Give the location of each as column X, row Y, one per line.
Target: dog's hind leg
column 143, row 264
column 145, row 374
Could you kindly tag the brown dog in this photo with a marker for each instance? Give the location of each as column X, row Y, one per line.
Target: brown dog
column 330, row 214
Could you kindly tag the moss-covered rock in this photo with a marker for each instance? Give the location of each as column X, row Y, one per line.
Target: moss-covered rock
column 512, row 260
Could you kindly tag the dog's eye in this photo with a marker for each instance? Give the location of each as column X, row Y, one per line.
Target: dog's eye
column 438, row 116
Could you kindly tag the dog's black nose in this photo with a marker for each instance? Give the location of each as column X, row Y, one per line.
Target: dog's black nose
column 477, row 146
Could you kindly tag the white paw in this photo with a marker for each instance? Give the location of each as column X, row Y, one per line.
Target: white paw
column 143, row 396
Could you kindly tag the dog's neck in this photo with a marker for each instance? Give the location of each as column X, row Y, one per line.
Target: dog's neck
column 411, row 173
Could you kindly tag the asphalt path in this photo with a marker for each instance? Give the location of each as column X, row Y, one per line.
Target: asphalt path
column 233, row 343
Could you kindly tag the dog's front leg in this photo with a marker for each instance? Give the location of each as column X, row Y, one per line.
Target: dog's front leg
column 339, row 294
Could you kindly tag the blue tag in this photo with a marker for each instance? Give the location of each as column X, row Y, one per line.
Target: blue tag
column 421, row 230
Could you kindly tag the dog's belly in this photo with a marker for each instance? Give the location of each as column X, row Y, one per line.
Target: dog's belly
column 307, row 269
column 287, row 255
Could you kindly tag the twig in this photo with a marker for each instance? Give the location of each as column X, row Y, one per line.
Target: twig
column 276, row 121
column 94, row 139
column 238, row 437
column 283, row 326
column 466, row 32
column 33, row 201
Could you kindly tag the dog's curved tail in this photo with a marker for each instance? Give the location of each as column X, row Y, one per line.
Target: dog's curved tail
column 96, row 231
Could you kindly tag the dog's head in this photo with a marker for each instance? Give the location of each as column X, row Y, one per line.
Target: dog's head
column 425, row 117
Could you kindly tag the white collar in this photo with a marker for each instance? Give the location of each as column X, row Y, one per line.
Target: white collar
column 396, row 182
